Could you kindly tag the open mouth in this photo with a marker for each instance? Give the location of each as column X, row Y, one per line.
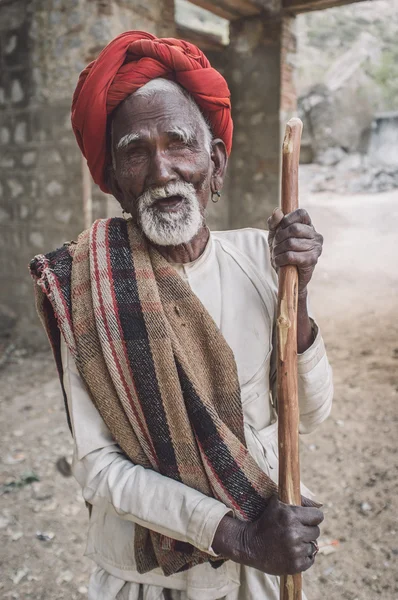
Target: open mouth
column 169, row 204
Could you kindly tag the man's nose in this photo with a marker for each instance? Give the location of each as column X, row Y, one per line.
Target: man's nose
column 161, row 170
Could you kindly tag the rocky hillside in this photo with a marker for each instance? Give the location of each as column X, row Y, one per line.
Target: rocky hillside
column 364, row 33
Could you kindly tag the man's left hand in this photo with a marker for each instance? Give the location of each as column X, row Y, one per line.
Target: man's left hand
column 293, row 241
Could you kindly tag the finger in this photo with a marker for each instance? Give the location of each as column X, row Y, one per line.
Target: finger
column 275, row 219
column 309, row 550
column 306, row 502
column 295, row 245
column 307, row 563
column 297, row 230
column 299, row 215
column 310, row 533
column 299, row 259
column 309, row 516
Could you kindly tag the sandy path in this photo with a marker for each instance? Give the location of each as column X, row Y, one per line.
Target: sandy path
column 350, row 461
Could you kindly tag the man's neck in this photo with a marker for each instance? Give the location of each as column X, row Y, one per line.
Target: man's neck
column 186, row 253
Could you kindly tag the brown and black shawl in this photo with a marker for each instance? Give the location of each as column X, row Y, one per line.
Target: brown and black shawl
column 158, row 370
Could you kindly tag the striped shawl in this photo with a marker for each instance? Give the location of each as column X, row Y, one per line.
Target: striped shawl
column 158, row 370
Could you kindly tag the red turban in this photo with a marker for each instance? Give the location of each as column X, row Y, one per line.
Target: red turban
column 126, row 64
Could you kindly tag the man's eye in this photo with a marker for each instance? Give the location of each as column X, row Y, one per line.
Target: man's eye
column 136, row 152
column 179, row 144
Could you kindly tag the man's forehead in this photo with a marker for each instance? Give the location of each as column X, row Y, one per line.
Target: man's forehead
column 161, row 112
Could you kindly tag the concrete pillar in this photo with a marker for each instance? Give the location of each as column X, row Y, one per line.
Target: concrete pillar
column 44, row 44
column 261, row 70
column 288, row 101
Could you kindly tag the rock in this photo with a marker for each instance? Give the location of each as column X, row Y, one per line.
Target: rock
column 351, row 162
column 330, row 156
column 64, row 466
column 13, row 459
column 383, row 182
column 46, row 507
column 327, row 546
column 4, row 521
column 354, row 174
column 19, row 575
column 70, row 510
column 361, row 184
column 366, row 507
column 65, row 577
column 45, row 536
column 41, row 492
column 331, row 117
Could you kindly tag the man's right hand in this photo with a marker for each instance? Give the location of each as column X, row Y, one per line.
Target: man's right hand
column 278, row 543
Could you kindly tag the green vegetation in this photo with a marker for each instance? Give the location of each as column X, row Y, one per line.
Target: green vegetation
column 385, row 75
column 326, row 35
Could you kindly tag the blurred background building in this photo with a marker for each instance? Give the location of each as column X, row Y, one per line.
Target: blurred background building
column 344, row 77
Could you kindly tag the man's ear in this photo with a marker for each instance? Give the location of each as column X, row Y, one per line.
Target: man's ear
column 219, row 158
column 112, row 184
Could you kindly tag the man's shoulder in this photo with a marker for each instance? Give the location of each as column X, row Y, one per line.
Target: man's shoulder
column 250, row 247
column 58, row 259
column 249, row 241
column 63, row 256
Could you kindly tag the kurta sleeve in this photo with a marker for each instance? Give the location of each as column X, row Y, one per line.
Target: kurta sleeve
column 315, row 384
column 136, row 494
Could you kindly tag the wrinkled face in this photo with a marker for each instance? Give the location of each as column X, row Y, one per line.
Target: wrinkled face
column 163, row 166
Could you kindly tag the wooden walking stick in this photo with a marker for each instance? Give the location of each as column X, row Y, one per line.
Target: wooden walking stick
column 288, row 410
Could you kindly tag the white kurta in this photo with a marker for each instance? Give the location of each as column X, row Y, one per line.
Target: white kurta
column 236, row 283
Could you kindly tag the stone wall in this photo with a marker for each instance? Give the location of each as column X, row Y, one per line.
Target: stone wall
column 260, row 66
column 218, row 214
column 19, row 143
column 44, row 44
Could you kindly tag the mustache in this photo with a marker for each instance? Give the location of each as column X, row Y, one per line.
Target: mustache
column 178, row 188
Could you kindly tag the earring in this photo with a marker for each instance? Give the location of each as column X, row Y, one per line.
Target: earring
column 126, row 216
column 218, row 194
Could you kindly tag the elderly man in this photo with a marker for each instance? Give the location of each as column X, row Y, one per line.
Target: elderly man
column 163, row 336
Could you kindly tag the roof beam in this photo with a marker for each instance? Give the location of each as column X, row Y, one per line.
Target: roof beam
column 236, row 9
column 301, row 6
column 202, row 39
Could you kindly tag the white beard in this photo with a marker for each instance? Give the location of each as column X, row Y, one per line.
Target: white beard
column 170, row 228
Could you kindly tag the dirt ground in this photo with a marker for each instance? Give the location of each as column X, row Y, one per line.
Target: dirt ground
column 350, row 462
